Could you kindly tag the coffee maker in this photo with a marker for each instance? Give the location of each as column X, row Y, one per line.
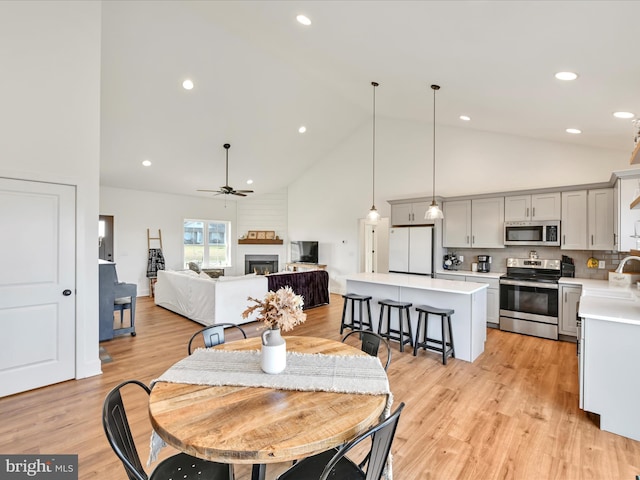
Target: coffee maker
column 484, row 263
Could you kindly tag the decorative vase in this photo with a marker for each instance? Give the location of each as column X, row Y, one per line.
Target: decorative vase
column 274, row 351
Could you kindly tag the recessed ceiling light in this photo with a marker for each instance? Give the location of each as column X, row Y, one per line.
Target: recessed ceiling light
column 567, row 76
column 623, row 114
column 187, row 84
column 249, row 182
column 146, row 163
column 302, row 129
column 575, row 131
column 466, row 118
column 303, row 20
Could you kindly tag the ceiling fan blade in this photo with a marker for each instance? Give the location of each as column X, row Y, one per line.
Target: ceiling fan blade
column 244, row 191
column 212, row 191
column 238, row 194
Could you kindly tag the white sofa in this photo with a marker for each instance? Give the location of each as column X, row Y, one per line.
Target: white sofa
column 207, row 300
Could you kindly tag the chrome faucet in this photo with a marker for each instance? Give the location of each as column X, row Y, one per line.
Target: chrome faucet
column 624, row 261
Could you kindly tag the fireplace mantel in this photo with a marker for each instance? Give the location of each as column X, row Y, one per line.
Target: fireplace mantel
column 253, row 241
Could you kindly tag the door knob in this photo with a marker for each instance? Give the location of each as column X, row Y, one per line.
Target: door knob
column 66, row 292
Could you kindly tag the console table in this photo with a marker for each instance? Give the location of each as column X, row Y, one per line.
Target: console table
column 313, row 285
column 294, row 267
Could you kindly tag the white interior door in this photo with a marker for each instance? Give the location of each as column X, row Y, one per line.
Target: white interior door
column 37, row 284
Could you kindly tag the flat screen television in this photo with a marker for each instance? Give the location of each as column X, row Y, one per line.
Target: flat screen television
column 304, row 252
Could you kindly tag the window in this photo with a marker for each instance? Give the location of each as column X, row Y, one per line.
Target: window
column 206, row 242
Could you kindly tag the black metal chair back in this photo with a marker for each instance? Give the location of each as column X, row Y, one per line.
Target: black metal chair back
column 116, row 427
column 213, row 335
column 371, row 343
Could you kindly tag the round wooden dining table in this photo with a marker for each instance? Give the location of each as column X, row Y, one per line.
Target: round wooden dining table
column 258, row 425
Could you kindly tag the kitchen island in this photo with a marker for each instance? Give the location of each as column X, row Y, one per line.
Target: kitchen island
column 609, row 340
column 469, row 300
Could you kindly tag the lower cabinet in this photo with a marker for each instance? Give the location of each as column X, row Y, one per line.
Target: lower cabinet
column 493, row 293
column 569, row 298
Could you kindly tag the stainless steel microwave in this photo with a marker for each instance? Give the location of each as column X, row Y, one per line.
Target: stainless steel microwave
column 532, row 233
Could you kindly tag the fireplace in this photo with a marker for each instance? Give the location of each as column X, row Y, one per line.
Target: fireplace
column 260, row 264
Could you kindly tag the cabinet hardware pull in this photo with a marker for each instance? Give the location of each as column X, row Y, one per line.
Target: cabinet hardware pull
column 591, row 239
column 533, row 214
column 564, row 239
column 527, row 214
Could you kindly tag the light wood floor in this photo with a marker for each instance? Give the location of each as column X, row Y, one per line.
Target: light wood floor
column 513, row 414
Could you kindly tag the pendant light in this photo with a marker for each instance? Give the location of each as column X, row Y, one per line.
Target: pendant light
column 434, row 212
column 373, row 215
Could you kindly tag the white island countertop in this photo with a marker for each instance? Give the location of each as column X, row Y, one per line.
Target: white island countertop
column 419, row 282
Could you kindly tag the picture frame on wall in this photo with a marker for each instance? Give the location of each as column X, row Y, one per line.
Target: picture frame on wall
column 262, row 235
column 270, row 235
column 252, row 235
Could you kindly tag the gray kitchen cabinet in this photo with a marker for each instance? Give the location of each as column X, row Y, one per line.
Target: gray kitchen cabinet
column 574, row 220
column 600, row 210
column 477, row 223
column 493, row 293
column 625, row 217
column 493, row 298
column 541, row 206
column 570, row 296
column 409, row 214
column 487, row 223
column 456, row 226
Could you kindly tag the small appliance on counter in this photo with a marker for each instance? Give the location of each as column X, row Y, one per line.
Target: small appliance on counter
column 451, row 261
column 484, row 263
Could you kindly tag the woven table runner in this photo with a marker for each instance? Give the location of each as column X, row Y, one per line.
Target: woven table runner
column 362, row 374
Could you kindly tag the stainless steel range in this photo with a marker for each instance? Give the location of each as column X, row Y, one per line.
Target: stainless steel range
column 529, row 297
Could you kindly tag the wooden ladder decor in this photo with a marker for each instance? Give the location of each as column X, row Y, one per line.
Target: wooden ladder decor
column 156, row 260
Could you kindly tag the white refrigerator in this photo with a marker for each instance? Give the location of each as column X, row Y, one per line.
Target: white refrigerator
column 411, row 250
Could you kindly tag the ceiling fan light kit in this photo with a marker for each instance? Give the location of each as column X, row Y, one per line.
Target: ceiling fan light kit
column 226, row 189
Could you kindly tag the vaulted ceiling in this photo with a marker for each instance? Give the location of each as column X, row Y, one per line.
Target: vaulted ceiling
column 258, row 75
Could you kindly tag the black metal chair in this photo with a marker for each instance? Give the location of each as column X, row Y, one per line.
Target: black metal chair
column 214, row 334
column 183, row 466
column 371, row 343
column 335, row 465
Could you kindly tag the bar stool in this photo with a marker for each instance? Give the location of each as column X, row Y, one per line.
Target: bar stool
column 442, row 346
column 398, row 335
column 353, row 298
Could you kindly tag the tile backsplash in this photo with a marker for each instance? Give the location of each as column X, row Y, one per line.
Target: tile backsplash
column 499, row 259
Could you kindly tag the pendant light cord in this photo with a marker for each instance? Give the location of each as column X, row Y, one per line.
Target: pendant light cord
column 435, row 88
column 373, row 189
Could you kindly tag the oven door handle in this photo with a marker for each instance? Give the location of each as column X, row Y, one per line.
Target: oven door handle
column 519, row 283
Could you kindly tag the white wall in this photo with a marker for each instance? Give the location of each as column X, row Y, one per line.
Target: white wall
column 50, row 124
column 134, row 211
column 327, row 201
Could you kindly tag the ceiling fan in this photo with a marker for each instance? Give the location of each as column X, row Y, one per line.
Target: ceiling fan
column 226, row 189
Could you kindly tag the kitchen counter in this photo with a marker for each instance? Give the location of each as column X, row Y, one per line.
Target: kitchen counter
column 469, row 273
column 467, row 299
column 607, row 301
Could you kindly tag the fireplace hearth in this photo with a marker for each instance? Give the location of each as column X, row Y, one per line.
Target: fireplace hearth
column 260, row 264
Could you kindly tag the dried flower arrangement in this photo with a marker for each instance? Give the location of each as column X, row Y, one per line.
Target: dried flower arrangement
column 280, row 309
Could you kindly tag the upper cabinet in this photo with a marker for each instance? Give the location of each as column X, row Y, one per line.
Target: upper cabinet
column 601, row 235
column 587, row 220
column 626, row 217
column 542, row 206
column 574, row 220
column 409, row 214
column 477, row 223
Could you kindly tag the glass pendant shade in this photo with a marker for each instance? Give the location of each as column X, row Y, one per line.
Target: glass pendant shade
column 373, row 215
column 433, row 212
